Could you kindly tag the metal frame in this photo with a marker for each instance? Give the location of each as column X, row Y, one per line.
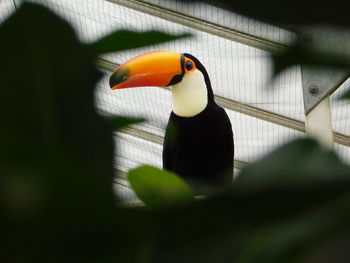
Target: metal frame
column 201, row 25
column 318, row 84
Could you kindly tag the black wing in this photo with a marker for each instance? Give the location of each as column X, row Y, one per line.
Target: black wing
column 168, row 145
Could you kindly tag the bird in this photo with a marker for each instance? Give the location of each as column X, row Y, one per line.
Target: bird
column 198, row 143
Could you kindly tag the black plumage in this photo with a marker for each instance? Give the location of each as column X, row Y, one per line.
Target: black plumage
column 200, row 148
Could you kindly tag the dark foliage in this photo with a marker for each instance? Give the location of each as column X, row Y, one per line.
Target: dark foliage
column 56, row 171
column 288, row 12
column 56, row 153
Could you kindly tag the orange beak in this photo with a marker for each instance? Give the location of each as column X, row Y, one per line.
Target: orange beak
column 159, row 68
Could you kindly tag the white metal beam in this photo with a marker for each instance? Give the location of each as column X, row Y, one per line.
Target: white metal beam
column 201, row 25
column 318, row 124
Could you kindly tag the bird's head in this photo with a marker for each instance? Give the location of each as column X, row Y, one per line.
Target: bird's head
column 188, row 79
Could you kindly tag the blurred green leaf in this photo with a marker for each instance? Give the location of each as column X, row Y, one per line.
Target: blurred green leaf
column 122, row 40
column 301, row 162
column 120, row 122
column 157, row 187
column 290, row 13
column 279, row 210
column 321, row 46
column 56, row 154
column 346, row 95
column 298, row 54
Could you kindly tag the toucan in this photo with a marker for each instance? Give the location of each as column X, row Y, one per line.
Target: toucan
column 198, row 143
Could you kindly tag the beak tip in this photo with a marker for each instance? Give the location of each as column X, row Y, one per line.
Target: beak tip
column 112, row 81
column 118, row 76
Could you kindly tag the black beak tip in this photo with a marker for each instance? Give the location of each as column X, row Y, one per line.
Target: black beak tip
column 118, row 77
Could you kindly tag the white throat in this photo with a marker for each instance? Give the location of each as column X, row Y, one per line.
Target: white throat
column 190, row 96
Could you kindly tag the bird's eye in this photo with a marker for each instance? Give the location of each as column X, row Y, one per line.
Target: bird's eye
column 189, row 65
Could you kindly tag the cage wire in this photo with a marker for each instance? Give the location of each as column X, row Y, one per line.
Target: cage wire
column 241, row 75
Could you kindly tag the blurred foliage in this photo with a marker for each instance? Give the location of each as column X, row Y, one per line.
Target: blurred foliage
column 322, row 30
column 318, row 46
column 307, row 164
column 321, row 47
column 56, row 175
column 56, row 153
column 287, row 12
column 271, row 214
column 55, row 178
column 156, row 187
column 120, row 122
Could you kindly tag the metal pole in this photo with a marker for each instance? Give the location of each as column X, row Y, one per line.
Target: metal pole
column 318, row 124
column 201, row 25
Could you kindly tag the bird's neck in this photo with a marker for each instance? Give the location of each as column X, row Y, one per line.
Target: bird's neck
column 190, row 96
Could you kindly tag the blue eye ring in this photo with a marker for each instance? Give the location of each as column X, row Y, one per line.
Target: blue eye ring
column 189, row 65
